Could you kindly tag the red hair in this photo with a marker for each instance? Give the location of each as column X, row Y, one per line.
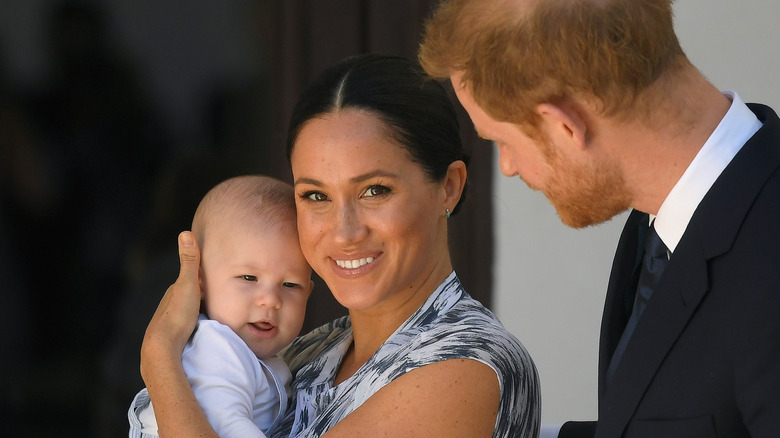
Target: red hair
column 609, row 52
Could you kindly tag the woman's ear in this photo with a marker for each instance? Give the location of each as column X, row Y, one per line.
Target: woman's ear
column 564, row 124
column 454, row 181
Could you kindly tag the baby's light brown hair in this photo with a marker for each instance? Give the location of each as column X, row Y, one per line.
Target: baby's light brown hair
column 245, row 199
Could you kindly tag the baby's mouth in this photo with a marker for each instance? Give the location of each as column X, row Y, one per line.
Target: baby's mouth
column 263, row 325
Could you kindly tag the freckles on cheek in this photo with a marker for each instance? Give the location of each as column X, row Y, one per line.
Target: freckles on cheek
column 306, row 224
column 309, row 233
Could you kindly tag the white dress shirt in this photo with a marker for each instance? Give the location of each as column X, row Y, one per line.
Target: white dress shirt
column 736, row 128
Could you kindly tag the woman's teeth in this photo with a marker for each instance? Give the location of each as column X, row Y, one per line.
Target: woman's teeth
column 352, row 264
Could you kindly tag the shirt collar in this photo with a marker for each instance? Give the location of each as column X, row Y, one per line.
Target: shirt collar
column 733, row 131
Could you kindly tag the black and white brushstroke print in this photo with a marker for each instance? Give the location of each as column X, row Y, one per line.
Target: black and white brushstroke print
column 449, row 325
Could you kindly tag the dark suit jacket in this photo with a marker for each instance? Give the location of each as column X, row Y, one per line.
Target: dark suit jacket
column 704, row 360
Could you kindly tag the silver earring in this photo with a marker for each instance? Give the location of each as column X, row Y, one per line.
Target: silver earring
column 447, row 212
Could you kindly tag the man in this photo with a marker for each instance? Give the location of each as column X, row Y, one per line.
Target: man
column 594, row 103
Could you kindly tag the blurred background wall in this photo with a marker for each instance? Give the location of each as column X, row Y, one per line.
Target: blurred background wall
column 115, row 118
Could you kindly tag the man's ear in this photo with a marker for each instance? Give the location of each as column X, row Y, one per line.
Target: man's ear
column 564, row 124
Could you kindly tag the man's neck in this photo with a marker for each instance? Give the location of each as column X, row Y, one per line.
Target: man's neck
column 658, row 155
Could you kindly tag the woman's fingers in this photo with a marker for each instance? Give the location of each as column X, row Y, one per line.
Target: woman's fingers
column 176, row 315
column 189, row 257
column 177, row 409
column 184, row 296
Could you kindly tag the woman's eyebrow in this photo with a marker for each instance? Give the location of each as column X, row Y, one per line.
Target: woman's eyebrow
column 355, row 179
column 373, row 174
column 311, row 181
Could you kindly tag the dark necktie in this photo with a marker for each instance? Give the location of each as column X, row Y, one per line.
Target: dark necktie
column 653, row 263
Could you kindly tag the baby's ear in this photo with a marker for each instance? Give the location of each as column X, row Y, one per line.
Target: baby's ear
column 311, row 287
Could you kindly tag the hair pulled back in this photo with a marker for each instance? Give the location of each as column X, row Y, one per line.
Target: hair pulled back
column 416, row 109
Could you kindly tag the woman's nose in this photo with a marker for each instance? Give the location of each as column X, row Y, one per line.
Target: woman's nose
column 348, row 225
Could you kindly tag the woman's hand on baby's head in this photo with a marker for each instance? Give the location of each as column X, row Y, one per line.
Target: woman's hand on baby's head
column 176, row 315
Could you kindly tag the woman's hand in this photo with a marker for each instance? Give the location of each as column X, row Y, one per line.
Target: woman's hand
column 175, row 406
column 176, row 315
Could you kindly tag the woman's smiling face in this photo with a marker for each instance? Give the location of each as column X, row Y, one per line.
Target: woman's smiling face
column 371, row 223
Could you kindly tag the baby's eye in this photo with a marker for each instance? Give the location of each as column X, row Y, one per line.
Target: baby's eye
column 249, row 277
column 376, row 190
column 290, row 284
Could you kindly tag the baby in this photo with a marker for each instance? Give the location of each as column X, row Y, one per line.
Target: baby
column 255, row 284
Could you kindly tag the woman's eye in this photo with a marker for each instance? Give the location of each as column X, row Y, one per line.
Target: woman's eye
column 376, row 190
column 249, row 277
column 314, row 196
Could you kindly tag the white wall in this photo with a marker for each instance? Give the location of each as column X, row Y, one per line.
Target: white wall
column 551, row 280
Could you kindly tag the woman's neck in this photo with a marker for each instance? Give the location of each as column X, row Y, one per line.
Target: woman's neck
column 372, row 327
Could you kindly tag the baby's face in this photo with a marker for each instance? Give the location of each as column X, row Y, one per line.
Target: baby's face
column 256, row 281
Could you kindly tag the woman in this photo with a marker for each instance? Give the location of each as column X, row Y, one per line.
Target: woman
column 378, row 168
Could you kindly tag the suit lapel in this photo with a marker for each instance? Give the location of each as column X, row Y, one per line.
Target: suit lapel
column 674, row 301
column 623, row 277
column 711, row 232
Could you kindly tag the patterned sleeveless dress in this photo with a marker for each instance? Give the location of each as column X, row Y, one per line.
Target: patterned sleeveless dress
column 449, row 325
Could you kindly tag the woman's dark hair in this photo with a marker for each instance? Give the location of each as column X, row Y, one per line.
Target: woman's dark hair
column 416, row 108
